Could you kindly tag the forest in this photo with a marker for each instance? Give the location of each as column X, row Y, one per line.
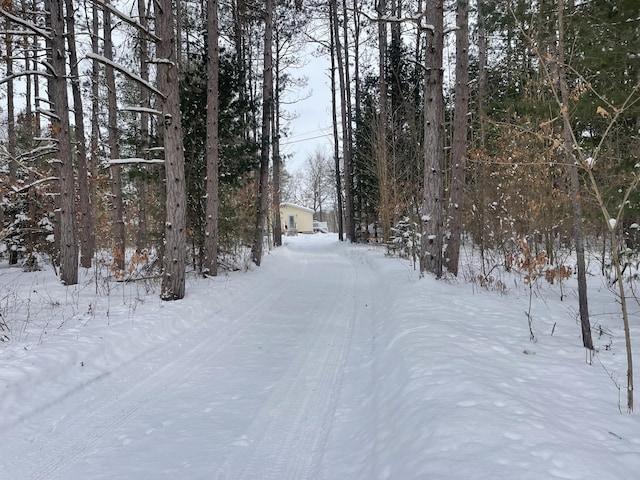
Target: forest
column 148, row 135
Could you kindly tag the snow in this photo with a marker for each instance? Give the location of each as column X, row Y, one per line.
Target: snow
column 330, row 361
column 132, row 160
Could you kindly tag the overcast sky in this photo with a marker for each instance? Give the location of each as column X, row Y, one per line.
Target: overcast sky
column 311, row 129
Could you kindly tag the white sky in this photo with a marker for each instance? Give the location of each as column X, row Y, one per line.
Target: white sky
column 312, row 128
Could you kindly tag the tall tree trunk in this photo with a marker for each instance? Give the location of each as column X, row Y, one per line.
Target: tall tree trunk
column 277, row 161
column 348, row 136
column 380, row 149
column 11, row 126
column 118, row 248
column 267, row 103
column 578, row 234
column 60, row 129
column 175, row 251
column 432, row 209
column 34, row 119
column 346, row 146
column 94, row 145
column 213, row 65
column 459, row 141
column 336, row 141
column 239, row 9
column 145, row 100
column 86, row 207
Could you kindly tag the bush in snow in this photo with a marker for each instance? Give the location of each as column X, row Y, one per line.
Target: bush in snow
column 405, row 239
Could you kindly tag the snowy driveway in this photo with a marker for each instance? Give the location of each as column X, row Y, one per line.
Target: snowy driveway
column 249, row 396
column 329, row 362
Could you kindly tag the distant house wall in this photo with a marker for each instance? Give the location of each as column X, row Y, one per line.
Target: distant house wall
column 296, row 219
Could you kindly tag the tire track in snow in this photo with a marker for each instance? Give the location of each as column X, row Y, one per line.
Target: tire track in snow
column 54, row 451
column 286, row 438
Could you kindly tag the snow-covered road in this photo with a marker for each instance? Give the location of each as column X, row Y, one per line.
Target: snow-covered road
column 252, row 398
column 329, row 362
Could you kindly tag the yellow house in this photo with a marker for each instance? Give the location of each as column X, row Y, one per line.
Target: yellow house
column 295, row 219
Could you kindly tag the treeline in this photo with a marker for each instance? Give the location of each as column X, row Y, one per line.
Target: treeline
column 159, row 124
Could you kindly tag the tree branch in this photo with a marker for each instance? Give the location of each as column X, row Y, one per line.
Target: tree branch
column 126, row 18
column 26, row 24
column 126, row 72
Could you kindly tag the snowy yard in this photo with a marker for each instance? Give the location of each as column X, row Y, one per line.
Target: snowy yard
column 330, row 361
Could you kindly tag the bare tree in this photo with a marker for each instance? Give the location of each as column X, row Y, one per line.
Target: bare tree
column 145, row 101
column 576, row 203
column 336, row 140
column 60, row 130
column 459, row 141
column 11, row 125
column 345, row 122
column 87, row 224
column 118, row 249
column 267, row 100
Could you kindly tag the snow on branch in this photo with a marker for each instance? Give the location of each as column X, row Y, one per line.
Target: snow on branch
column 21, row 74
column 162, row 61
column 25, row 23
column 126, row 72
column 152, row 111
column 15, row 33
column 45, row 100
column 33, row 184
column 127, row 19
column 126, row 161
column 48, row 113
column 37, row 152
column 416, row 18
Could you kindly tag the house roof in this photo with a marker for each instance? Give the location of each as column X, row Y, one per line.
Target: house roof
column 300, row 207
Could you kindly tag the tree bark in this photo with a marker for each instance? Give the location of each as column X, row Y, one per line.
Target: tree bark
column 145, row 100
column 175, row 251
column 11, row 127
column 87, row 230
column 346, row 146
column 432, row 208
column 118, row 248
column 336, row 141
column 380, row 148
column 60, row 129
column 459, row 140
column 578, row 234
column 267, row 103
column 277, row 161
column 211, row 222
column 94, row 146
column 348, row 135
